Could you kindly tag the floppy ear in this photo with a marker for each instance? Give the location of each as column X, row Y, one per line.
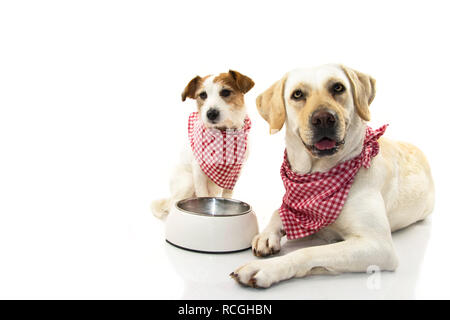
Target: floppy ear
column 271, row 106
column 243, row 83
column 363, row 88
column 191, row 88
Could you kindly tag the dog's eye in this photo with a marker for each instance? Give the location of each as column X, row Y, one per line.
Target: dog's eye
column 225, row 93
column 203, row 95
column 297, row 95
column 338, row 88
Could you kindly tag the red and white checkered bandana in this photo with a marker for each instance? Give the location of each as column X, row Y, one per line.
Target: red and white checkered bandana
column 220, row 153
column 313, row 201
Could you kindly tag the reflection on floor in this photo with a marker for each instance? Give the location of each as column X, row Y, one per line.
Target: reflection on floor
column 206, row 275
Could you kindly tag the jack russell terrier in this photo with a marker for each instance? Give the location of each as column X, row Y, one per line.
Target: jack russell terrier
column 218, row 138
column 343, row 182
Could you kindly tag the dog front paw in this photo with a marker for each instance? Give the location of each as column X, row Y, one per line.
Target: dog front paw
column 266, row 243
column 259, row 273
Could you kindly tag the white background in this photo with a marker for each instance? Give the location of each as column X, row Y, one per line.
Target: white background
column 91, row 124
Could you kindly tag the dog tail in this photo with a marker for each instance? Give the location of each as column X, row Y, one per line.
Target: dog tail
column 160, row 208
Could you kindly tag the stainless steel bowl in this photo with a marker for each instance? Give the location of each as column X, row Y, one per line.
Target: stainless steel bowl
column 218, row 207
column 211, row 225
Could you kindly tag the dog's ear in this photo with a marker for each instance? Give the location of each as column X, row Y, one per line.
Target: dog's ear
column 271, row 106
column 363, row 88
column 191, row 88
column 243, row 83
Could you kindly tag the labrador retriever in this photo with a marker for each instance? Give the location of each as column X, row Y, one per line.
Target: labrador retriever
column 325, row 112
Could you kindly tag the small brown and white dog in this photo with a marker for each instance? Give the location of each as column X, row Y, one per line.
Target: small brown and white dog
column 394, row 192
column 221, row 106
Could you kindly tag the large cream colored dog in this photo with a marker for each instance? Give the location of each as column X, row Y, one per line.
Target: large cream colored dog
column 396, row 191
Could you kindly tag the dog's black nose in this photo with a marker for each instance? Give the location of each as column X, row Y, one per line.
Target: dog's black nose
column 212, row 114
column 325, row 119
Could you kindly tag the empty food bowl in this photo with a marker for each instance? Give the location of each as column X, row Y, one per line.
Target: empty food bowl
column 213, row 225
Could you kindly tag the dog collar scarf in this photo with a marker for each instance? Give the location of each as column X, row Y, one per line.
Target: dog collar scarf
column 219, row 153
column 313, row 201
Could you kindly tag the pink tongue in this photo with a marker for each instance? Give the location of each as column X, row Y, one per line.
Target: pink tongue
column 325, row 144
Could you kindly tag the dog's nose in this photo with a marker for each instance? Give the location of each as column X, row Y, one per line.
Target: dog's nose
column 325, row 119
column 212, row 114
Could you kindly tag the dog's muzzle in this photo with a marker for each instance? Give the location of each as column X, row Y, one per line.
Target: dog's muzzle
column 324, row 127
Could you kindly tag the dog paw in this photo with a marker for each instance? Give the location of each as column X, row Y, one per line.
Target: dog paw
column 258, row 274
column 266, row 243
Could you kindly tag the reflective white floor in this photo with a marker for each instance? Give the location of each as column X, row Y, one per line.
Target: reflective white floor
column 206, row 275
